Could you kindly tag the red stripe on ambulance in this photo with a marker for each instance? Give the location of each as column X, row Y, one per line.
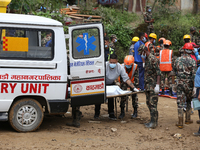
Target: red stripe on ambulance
column 85, row 81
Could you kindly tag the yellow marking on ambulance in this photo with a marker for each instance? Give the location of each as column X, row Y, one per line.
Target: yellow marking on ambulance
column 15, row 44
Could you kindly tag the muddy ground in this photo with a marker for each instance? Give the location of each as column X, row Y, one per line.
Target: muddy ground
column 53, row 134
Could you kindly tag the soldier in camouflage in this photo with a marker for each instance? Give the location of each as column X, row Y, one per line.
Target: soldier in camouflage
column 194, row 36
column 46, row 39
column 113, row 39
column 152, row 84
column 132, row 70
column 186, row 39
column 148, row 19
column 185, row 67
column 159, row 47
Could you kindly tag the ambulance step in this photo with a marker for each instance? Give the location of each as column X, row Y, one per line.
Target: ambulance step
column 3, row 116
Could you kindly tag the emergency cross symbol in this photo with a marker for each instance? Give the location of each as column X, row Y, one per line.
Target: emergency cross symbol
column 86, row 44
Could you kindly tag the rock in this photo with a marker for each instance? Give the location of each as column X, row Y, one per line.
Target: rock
column 167, row 128
column 53, row 139
column 94, row 121
column 113, row 129
column 123, row 122
column 177, row 135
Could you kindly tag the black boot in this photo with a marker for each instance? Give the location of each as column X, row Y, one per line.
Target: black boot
column 163, row 92
column 76, row 119
column 154, row 119
column 134, row 115
column 170, row 92
column 121, row 116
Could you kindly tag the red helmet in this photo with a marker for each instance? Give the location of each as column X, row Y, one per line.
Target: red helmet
column 129, row 60
column 188, row 46
column 146, row 36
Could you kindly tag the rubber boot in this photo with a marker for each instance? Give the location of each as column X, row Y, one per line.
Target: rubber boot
column 163, row 92
column 121, row 116
column 197, row 133
column 76, row 119
column 154, row 119
column 170, row 92
column 134, row 115
column 179, row 124
column 188, row 116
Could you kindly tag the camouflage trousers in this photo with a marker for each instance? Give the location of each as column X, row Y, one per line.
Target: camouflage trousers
column 134, row 97
column 184, row 89
column 151, row 101
column 150, row 29
column 169, row 79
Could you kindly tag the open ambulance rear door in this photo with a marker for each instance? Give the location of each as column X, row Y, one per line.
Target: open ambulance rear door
column 87, row 64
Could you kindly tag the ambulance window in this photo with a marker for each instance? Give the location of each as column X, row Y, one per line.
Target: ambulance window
column 86, row 43
column 28, row 44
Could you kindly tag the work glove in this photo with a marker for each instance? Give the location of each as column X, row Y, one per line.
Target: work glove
column 135, row 90
column 157, row 89
column 143, row 65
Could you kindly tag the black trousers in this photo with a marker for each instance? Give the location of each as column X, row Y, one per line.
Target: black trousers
column 110, row 105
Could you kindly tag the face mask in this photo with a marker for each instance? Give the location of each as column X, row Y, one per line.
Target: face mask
column 128, row 66
column 106, row 46
column 143, row 56
column 154, row 41
column 149, row 10
column 115, row 40
column 112, row 66
column 144, row 39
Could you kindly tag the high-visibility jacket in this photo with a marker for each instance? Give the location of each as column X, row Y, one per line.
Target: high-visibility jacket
column 166, row 60
column 131, row 73
column 111, row 51
column 147, row 45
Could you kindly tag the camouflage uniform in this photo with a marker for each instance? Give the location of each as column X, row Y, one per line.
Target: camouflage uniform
column 185, row 67
column 181, row 51
column 131, row 50
column 157, row 50
column 124, row 86
column 151, row 49
column 111, row 44
column 152, row 70
column 148, row 17
column 45, row 40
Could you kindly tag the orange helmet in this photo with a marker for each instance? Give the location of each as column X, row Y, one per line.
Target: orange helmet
column 168, row 42
column 163, row 39
column 128, row 60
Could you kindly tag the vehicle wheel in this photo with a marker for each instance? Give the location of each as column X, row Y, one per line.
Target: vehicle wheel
column 26, row 115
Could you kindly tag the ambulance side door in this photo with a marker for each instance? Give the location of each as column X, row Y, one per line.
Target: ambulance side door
column 87, row 64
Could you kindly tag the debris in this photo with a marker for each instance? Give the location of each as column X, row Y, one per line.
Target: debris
column 94, row 121
column 113, row 129
column 167, row 128
column 177, row 135
column 123, row 121
column 105, row 116
column 53, row 139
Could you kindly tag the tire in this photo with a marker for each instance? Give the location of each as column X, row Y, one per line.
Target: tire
column 31, row 112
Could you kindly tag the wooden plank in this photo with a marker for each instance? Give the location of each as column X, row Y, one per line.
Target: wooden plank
column 91, row 20
column 120, row 95
column 70, row 13
column 75, row 17
column 80, row 15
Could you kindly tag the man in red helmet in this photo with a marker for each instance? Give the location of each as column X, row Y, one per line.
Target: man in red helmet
column 133, row 73
column 186, row 68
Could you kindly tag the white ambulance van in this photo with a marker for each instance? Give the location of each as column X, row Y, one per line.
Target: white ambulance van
column 34, row 75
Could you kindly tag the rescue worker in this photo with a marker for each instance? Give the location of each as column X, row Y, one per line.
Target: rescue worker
column 185, row 67
column 159, row 47
column 108, row 49
column 152, row 84
column 186, row 39
column 166, row 67
column 113, row 39
column 151, row 42
column 131, row 49
column 113, row 71
column 133, row 73
column 149, row 20
column 194, row 36
column 46, row 39
column 139, row 61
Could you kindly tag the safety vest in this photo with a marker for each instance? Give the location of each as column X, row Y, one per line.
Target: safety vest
column 111, row 51
column 147, row 45
column 131, row 73
column 166, row 60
